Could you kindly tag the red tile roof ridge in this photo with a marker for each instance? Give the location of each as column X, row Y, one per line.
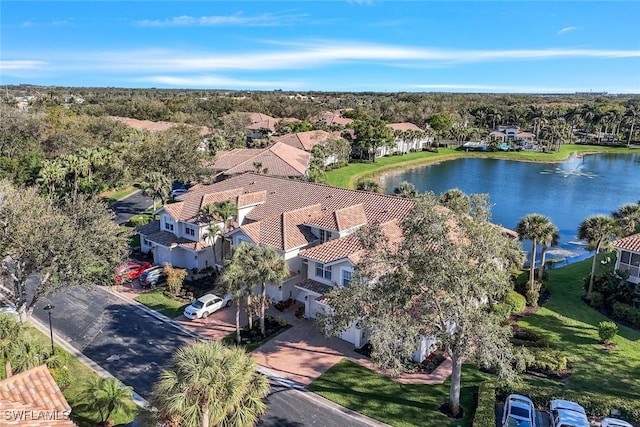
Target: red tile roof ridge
column 631, row 243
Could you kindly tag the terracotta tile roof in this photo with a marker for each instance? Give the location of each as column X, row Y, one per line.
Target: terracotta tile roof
column 305, row 140
column 34, row 390
column 404, row 126
column 264, row 124
column 168, row 239
column 313, row 286
column 280, row 160
column 629, row 243
column 331, row 118
column 526, row 134
column 259, row 117
column 342, row 219
column 249, row 199
column 497, row 133
column 155, row 126
column 192, row 202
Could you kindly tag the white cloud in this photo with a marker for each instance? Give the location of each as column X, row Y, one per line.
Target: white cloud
column 21, row 65
column 262, row 20
column 566, row 30
column 215, row 81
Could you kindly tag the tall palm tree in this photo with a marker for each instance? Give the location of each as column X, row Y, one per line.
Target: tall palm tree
column 28, row 353
column 406, row 190
column 632, row 111
column 51, row 175
column 213, row 231
column 598, row 231
column 548, row 238
column 532, row 227
column 10, row 332
column 76, row 167
column 232, row 280
column 270, row 268
column 245, row 259
column 628, row 218
column 157, row 186
column 456, row 200
column 106, row 395
column 226, row 211
column 207, row 384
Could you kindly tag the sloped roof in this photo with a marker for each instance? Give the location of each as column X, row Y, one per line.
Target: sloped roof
column 279, row 159
column 34, row 390
column 404, row 126
column 342, row 219
column 155, row 126
column 264, row 124
column 305, row 140
column 331, row 118
column 304, row 203
column 629, row 243
column 313, row 286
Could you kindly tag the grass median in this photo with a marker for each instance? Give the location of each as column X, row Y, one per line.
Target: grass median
column 158, row 301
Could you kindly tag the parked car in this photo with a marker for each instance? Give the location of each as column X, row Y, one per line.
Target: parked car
column 565, row 413
column 151, row 277
column 129, row 271
column 518, row 412
column 614, row 422
column 177, row 192
column 205, row 305
column 8, row 309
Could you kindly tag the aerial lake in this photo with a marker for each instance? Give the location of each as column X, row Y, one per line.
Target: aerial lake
column 566, row 192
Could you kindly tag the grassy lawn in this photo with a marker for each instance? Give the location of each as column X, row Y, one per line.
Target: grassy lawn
column 372, row 394
column 156, row 300
column 347, row 176
column 115, row 195
column 79, row 374
column 572, row 326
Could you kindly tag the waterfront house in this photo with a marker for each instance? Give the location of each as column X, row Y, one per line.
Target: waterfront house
column 307, row 140
column 628, row 256
column 511, row 133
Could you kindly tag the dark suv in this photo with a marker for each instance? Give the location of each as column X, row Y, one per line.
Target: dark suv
column 151, row 277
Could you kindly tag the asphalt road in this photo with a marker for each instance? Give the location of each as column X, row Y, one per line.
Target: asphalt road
column 132, row 205
column 133, row 346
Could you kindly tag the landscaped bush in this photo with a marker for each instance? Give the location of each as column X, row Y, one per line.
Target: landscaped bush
column 502, row 310
column 138, row 220
column 627, row 313
column 596, row 299
column 607, row 330
column 548, row 361
column 516, row 301
column 528, row 338
column 486, row 408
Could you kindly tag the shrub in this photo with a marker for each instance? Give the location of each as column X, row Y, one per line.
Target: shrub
column 528, row 338
column 548, row 361
column 627, row 313
column 596, row 299
column 532, row 296
column 486, row 408
column 607, row 330
column 138, row 220
column 502, row 310
column 175, row 278
column 516, row 301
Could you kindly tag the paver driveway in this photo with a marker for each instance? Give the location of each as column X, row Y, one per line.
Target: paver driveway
column 217, row 325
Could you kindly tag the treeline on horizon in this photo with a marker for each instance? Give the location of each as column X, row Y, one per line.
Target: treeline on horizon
column 64, row 141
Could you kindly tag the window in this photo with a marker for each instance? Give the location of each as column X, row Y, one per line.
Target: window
column 624, row 257
column 324, row 235
column 168, row 226
column 322, row 271
column 630, row 262
column 190, row 231
column 346, row 278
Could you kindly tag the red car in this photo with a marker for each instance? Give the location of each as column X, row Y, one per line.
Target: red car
column 126, row 273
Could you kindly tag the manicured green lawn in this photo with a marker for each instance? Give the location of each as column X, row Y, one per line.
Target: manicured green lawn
column 347, row 176
column 78, row 375
column 365, row 391
column 572, row 326
column 156, row 300
column 112, row 196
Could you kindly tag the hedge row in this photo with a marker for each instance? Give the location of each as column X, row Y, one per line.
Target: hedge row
column 486, row 409
column 595, row 405
column 628, row 313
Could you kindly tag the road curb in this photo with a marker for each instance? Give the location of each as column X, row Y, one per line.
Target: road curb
column 89, row 363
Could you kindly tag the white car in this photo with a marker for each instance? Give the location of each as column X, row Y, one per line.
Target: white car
column 518, row 412
column 8, row 309
column 565, row 413
column 178, row 192
column 205, row 305
column 614, row 422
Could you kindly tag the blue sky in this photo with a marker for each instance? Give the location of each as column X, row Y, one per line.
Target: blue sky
column 388, row 46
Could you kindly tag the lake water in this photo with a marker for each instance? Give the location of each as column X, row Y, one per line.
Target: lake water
column 566, row 192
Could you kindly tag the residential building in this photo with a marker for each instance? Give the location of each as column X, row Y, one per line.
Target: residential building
column 33, row 399
column 407, row 137
column 278, row 159
column 331, row 119
column 628, row 256
column 511, row 133
column 261, row 126
column 307, row 140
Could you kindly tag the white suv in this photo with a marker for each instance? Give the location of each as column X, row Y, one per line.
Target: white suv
column 205, row 305
column 567, row 414
column 614, row 422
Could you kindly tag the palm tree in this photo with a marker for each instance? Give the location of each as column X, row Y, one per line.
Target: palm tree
column 244, row 258
column 226, row 211
column 28, row 353
column 368, row 185
column 207, row 384
column 532, row 227
column 105, row 395
column 633, row 109
column 628, row 218
column 270, row 267
column 51, row 174
column 548, row 238
column 232, row 280
column 157, row 186
column 456, row 200
column 10, row 332
column 213, row 231
column 406, row 190
column 76, row 167
column 598, row 231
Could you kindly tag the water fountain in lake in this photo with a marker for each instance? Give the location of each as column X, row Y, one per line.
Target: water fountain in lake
column 573, row 166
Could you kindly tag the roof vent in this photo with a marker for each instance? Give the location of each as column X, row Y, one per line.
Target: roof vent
column 273, row 192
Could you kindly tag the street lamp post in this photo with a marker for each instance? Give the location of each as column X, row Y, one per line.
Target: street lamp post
column 48, row 309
